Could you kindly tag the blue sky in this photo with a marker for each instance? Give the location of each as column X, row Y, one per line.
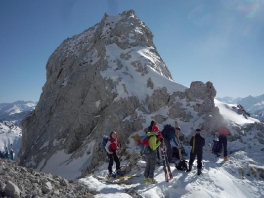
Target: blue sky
column 221, row 41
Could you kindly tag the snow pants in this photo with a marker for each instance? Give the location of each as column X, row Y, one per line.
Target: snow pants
column 113, row 157
column 151, row 163
column 223, row 141
column 199, row 159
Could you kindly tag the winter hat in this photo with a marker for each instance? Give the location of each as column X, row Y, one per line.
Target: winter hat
column 198, row 130
column 178, row 128
column 155, row 128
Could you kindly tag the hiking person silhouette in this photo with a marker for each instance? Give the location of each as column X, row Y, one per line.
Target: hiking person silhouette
column 223, row 132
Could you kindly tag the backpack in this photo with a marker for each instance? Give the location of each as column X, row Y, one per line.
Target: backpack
column 168, row 128
column 216, row 147
column 105, row 140
column 146, row 149
column 182, row 165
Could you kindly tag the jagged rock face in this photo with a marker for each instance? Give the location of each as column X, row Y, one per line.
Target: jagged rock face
column 107, row 78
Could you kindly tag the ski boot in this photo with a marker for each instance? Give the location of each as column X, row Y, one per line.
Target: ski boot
column 199, row 172
column 119, row 173
column 152, row 181
column 111, row 176
column 146, row 179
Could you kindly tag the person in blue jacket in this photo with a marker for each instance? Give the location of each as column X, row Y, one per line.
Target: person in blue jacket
column 168, row 133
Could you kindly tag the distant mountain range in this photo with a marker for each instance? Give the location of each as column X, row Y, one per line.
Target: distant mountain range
column 16, row 111
column 253, row 105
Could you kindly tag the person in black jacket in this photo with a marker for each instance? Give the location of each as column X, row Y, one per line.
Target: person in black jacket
column 197, row 142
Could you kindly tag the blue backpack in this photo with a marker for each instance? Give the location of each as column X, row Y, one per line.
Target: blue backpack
column 168, row 128
column 105, row 140
column 217, row 147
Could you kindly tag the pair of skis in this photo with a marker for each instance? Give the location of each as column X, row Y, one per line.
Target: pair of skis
column 121, row 179
column 166, row 164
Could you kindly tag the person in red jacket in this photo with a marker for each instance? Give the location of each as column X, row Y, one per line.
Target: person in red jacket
column 111, row 147
column 223, row 132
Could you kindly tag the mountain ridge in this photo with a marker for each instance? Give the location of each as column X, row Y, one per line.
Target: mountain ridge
column 253, row 105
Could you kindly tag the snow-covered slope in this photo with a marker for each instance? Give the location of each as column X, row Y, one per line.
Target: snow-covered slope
column 238, row 177
column 241, row 176
column 227, row 110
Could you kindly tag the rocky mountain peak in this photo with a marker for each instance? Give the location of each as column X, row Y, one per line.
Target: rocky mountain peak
column 110, row 77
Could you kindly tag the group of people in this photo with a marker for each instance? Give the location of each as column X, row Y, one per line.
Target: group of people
column 157, row 138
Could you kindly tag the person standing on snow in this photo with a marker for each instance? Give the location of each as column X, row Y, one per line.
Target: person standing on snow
column 169, row 134
column 197, row 142
column 223, row 132
column 154, row 128
column 154, row 143
column 111, row 147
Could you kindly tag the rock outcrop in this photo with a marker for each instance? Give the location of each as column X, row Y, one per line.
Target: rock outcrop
column 17, row 181
column 110, row 77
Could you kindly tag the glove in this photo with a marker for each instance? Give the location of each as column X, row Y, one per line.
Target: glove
column 160, row 138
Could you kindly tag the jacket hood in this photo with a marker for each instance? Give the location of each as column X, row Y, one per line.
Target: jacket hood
column 151, row 133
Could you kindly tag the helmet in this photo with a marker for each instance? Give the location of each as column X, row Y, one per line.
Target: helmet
column 178, row 128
